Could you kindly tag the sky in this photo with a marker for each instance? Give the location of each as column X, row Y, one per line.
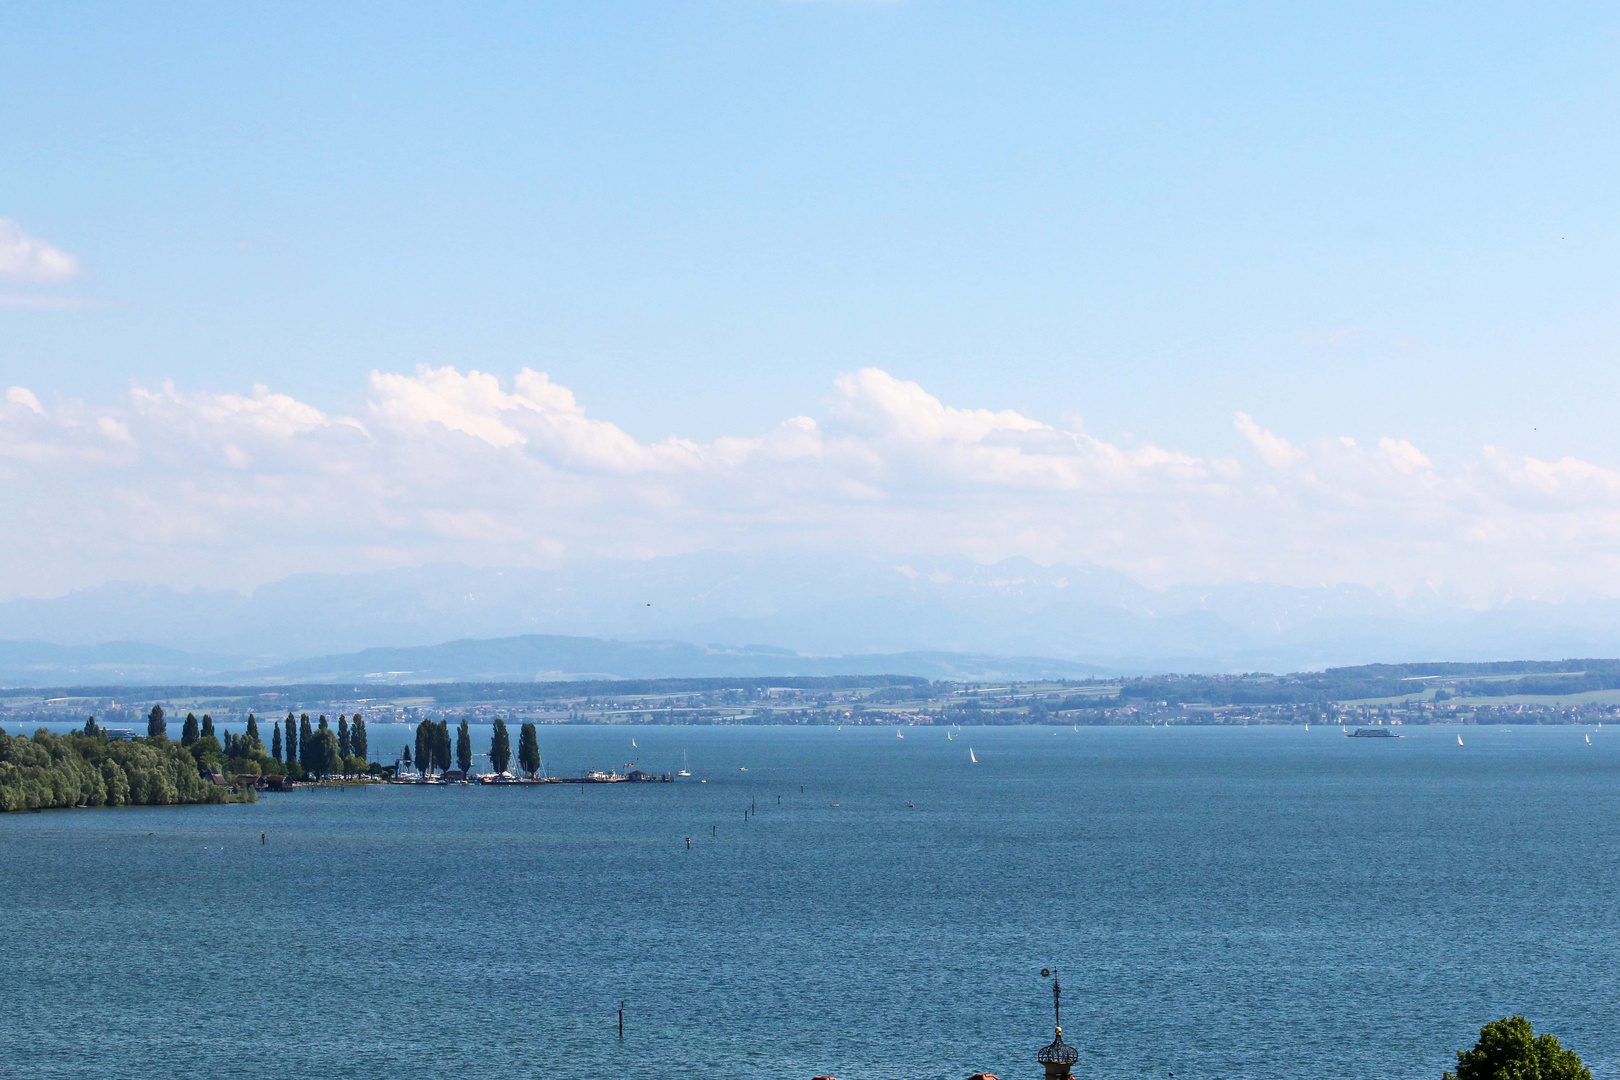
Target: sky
column 1306, row 293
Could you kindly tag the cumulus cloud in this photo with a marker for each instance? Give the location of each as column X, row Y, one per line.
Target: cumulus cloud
column 28, row 258
column 238, row 488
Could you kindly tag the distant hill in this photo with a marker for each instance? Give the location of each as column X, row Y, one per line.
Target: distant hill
column 1542, row 678
column 36, row 663
column 814, row 604
column 526, row 658
column 828, row 604
column 545, row 657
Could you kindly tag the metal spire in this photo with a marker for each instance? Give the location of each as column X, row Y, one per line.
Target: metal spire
column 1059, row 1057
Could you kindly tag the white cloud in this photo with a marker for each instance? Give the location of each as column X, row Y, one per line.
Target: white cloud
column 234, row 489
column 28, row 258
column 21, row 395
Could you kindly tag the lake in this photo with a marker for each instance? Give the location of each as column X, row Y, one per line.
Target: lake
column 1218, row 902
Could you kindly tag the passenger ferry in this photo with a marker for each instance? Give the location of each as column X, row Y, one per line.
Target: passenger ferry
column 1374, row 733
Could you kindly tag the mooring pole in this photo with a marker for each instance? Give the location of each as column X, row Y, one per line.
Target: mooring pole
column 621, row 1019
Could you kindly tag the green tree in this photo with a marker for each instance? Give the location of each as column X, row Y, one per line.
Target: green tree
column 500, row 747
column 529, row 749
column 1508, row 1049
column 305, row 734
column 343, row 736
column 357, row 737
column 255, row 743
column 275, row 741
column 463, row 746
column 188, row 731
column 291, row 741
column 155, row 727
column 90, row 727
column 324, row 759
column 208, row 725
column 207, row 752
column 75, row 770
column 426, row 736
column 323, row 726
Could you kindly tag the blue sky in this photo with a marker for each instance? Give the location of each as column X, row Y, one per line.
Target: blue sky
column 1373, row 221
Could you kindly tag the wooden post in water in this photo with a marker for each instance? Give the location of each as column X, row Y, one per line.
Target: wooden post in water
column 621, row 1019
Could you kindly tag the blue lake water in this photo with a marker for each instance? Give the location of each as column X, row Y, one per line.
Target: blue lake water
column 1220, row 903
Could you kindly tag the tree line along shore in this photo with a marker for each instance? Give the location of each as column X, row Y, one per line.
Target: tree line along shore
column 96, row 767
column 91, row 768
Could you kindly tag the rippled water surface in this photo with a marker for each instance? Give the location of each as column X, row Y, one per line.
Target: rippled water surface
column 1241, row 902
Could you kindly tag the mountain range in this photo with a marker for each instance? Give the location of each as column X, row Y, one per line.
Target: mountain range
column 716, row 613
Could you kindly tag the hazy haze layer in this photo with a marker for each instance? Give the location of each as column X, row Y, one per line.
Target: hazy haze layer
column 190, row 488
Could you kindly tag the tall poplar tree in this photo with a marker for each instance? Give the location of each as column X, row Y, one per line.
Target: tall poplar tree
column 357, row 737
column 275, row 741
column 323, row 725
column 305, row 736
column 208, row 725
column 500, row 747
column 343, row 737
column 426, row 736
column 188, row 731
column 155, row 728
column 529, row 749
column 254, row 742
column 292, row 740
column 441, row 744
column 463, row 746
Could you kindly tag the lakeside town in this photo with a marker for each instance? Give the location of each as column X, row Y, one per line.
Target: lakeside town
column 1572, row 692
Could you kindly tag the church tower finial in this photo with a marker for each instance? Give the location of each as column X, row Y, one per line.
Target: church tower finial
column 1058, row 1056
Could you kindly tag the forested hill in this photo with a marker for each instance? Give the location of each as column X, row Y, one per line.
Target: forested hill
column 1495, row 679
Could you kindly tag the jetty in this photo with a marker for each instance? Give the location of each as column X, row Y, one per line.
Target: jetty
column 595, row 776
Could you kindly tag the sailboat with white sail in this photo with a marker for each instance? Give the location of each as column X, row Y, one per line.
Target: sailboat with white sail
column 971, row 757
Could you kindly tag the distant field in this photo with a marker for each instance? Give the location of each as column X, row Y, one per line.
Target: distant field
column 1591, row 697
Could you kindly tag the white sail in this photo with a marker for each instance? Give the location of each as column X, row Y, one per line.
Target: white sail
column 971, row 757
column 1459, row 740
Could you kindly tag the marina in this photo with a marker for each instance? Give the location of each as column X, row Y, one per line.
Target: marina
column 595, row 776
